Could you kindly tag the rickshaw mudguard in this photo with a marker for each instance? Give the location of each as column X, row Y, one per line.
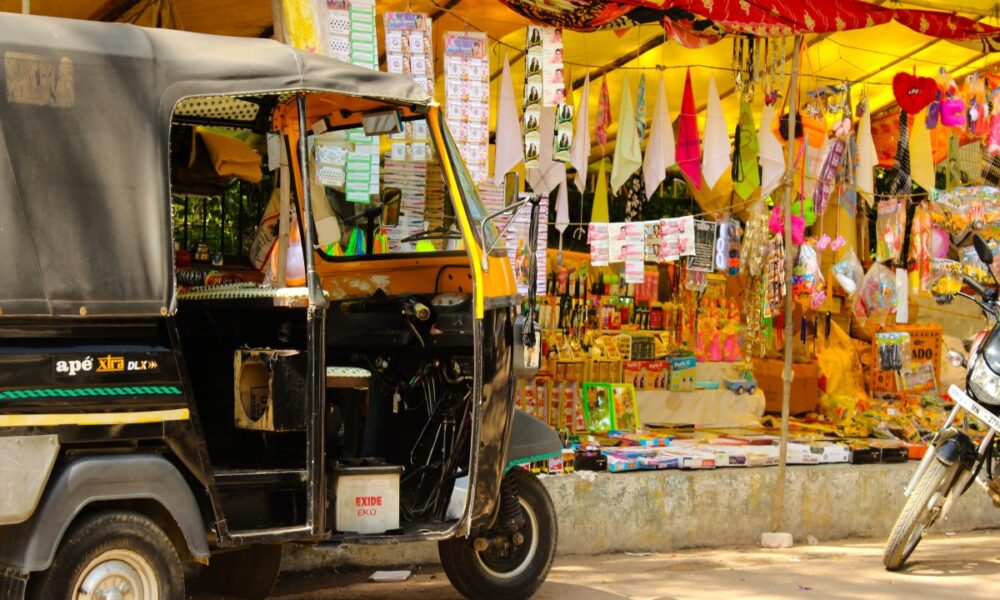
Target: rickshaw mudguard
column 531, row 440
column 30, row 546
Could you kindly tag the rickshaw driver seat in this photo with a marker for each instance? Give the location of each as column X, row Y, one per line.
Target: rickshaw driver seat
column 348, row 404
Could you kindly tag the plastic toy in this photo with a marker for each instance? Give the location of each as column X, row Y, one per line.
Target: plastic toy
column 741, row 380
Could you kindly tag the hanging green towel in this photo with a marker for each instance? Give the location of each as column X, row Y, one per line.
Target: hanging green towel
column 746, row 176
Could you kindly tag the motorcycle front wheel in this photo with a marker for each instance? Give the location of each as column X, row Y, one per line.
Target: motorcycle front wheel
column 919, row 513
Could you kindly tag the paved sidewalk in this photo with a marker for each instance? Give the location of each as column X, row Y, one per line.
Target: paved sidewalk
column 956, row 566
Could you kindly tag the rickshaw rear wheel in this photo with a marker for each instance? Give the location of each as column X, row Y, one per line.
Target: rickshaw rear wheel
column 113, row 554
column 515, row 563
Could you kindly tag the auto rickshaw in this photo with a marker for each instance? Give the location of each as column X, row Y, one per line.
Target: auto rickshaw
column 158, row 435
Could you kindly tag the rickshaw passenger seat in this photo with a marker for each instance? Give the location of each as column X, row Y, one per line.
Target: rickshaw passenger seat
column 348, row 378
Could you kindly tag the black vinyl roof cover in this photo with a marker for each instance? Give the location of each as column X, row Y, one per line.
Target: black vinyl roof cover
column 85, row 114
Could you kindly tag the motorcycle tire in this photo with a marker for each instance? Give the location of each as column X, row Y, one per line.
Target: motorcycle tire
column 917, row 515
column 518, row 574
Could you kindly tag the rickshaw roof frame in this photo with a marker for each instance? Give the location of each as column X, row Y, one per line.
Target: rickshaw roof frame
column 87, row 222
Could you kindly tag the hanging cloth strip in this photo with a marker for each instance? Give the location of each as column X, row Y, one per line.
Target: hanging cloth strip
column 902, row 183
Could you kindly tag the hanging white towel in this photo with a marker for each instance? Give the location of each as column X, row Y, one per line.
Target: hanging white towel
column 717, row 153
column 628, row 154
column 509, row 141
column 579, row 155
column 661, row 151
column 771, row 156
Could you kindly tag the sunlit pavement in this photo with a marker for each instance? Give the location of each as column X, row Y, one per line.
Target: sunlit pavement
column 943, row 566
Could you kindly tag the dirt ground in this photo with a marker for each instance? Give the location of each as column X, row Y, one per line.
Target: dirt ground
column 943, row 566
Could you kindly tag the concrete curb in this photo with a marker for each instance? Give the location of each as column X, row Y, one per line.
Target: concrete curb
column 663, row 511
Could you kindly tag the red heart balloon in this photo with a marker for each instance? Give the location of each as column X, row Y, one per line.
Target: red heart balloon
column 913, row 93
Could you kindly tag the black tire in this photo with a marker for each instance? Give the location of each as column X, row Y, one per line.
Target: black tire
column 247, row 573
column 112, row 549
column 484, row 576
column 917, row 515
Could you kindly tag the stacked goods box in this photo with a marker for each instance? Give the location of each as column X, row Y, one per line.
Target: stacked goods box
column 805, row 388
column 646, row 374
column 925, row 347
column 682, row 373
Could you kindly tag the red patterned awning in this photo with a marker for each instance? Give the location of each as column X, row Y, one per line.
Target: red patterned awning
column 768, row 18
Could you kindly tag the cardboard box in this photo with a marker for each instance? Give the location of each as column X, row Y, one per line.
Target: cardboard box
column 805, row 389
column 647, row 374
column 925, row 347
column 683, row 372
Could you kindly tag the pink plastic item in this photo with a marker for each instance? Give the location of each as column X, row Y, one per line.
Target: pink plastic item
column 953, row 112
column 777, row 225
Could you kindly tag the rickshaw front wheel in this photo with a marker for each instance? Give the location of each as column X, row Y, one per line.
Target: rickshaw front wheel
column 514, row 563
column 113, row 555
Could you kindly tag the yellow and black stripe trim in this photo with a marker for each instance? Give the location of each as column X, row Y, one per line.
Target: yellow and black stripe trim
column 104, row 418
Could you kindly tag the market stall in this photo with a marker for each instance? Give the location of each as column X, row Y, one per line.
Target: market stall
column 757, row 206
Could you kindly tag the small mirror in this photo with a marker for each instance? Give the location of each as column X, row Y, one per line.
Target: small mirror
column 383, row 122
column 392, row 199
column 983, row 250
column 511, row 187
column 956, row 358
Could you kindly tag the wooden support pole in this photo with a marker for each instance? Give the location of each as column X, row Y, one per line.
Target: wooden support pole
column 786, row 208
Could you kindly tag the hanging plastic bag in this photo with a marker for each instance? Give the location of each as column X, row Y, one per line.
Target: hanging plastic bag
column 848, row 272
column 295, row 270
column 807, row 277
column 876, row 296
column 889, row 227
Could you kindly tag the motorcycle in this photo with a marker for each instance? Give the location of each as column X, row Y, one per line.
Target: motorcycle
column 953, row 461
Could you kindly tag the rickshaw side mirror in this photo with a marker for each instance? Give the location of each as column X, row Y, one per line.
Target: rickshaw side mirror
column 383, row 122
column 511, row 186
column 392, row 200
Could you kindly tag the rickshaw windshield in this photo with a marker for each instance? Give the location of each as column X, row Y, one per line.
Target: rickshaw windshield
column 347, row 205
column 470, row 194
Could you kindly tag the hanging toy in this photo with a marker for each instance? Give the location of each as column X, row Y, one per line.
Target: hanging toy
column 889, row 227
column 721, row 255
column 993, row 142
column 953, row 113
column 807, row 277
column 913, row 93
column 777, row 225
column 828, row 173
column 755, row 241
column 733, row 262
column 848, row 272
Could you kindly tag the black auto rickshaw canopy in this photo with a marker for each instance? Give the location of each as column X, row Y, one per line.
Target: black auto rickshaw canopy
column 85, row 117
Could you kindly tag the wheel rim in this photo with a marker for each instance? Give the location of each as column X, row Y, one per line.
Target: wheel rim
column 519, row 559
column 117, row 575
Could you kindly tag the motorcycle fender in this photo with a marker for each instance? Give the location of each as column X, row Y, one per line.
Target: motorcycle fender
column 956, row 448
column 531, row 440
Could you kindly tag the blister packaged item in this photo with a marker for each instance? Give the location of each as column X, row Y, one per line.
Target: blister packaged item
column 889, row 228
column 754, row 247
column 848, row 272
column 876, row 296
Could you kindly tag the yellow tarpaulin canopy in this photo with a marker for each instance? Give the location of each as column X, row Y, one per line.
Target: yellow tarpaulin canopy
column 868, row 58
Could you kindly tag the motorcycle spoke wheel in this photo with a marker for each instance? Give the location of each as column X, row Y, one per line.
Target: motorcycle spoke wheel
column 919, row 513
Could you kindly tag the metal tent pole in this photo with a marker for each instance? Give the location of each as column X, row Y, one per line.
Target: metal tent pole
column 786, row 377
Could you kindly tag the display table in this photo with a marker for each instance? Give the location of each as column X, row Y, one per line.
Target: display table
column 709, row 408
